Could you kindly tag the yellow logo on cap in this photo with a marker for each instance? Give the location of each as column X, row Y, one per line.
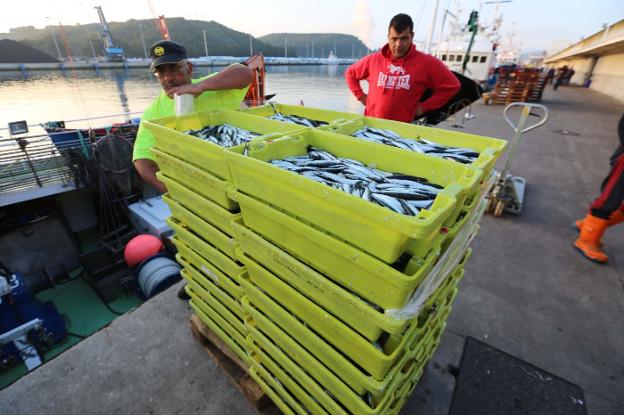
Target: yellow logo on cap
column 159, row 51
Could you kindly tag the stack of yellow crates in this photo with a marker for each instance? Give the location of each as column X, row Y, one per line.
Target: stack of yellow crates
column 197, row 177
column 301, row 282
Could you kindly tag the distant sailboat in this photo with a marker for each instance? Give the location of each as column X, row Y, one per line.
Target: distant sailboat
column 332, row 59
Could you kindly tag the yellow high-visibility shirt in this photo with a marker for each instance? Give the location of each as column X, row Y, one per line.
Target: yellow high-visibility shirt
column 163, row 106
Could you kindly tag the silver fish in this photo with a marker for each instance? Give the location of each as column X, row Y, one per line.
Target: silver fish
column 224, row 135
column 403, row 194
column 293, row 119
column 417, row 144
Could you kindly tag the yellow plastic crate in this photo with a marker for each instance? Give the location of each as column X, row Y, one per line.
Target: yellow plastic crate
column 280, row 290
column 204, row 249
column 219, row 326
column 405, row 388
column 227, row 307
column 321, row 379
column 372, row 228
column 404, row 393
column 330, row 368
column 295, row 392
column 489, row 149
column 306, row 112
column 205, row 209
column 222, row 282
column 187, row 258
column 215, row 290
column 373, row 280
column 374, row 366
column 270, row 387
column 366, row 319
column 200, row 182
column 359, row 349
column 170, row 138
column 437, row 338
column 224, row 242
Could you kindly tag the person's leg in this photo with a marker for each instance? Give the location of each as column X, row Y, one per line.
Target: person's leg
column 612, row 192
column 604, row 211
column 616, row 218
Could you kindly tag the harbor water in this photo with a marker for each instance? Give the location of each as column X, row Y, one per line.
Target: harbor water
column 37, row 96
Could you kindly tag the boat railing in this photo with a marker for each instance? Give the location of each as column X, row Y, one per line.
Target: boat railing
column 31, row 162
column 58, row 158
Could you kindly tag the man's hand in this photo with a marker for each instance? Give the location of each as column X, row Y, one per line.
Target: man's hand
column 363, row 99
column 147, row 170
column 419, row 111
column 194, row 89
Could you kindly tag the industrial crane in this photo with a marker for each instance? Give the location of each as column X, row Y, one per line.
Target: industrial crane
column 113, row 53
column 162, row 27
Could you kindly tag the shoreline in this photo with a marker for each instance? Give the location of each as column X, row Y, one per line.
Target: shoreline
column 144, row 63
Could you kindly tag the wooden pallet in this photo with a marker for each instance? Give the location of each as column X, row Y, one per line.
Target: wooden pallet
column 519, row 86
column 231, row 365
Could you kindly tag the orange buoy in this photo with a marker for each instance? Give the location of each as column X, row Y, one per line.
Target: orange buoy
column 141, row 247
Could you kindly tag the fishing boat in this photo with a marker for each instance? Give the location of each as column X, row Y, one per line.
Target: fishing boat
column 470, row 48
column 481, row 59
column 62, row 274
column 70, row 201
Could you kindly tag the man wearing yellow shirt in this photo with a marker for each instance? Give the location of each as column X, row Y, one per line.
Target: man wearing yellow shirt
column 222, row 90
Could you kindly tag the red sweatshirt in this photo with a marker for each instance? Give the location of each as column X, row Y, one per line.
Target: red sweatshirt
column 396, row 85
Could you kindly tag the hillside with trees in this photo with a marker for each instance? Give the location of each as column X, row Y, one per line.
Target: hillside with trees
column 318, row 45
column 86, row 41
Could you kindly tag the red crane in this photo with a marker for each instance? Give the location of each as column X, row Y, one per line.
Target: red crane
column 162, row 27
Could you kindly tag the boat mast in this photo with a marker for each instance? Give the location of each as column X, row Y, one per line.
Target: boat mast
column 473, row 27
column 433, row 23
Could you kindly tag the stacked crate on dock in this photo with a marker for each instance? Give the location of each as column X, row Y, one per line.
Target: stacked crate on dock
column 347, row 300
column 197, row 176
column 335, row 303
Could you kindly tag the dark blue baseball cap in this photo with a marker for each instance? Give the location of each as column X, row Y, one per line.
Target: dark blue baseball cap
column 166, row 51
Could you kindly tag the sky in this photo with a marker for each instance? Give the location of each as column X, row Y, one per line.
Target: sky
column 533, row 24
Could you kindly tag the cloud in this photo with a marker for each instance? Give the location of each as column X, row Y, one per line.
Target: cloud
column 364, row 22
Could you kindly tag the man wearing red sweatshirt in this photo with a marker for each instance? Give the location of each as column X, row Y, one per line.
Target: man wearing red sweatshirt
column 398, row 75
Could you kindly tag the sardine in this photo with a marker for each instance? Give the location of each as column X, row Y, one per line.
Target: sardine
column 293, row 119
column 389, row 202
column 416, row 144
column 403, row 194
column 224, row 135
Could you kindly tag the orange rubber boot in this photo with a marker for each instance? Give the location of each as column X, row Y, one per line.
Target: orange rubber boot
column 589, row 239
column 615, row 218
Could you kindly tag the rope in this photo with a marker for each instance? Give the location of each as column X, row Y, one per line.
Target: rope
column 72, row 67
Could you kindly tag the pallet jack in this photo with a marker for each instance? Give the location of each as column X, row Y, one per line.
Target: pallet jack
column 507, row 194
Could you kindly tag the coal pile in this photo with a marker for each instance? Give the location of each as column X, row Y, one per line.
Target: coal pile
column 15, row 52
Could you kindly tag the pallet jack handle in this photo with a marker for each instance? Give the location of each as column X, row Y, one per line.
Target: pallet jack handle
column 521, row 127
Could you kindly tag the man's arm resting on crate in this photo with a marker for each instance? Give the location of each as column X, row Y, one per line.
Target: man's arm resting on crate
column 235, row 76
column 147, row 170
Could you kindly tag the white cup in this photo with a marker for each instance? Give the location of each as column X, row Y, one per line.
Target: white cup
column 184, row 104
